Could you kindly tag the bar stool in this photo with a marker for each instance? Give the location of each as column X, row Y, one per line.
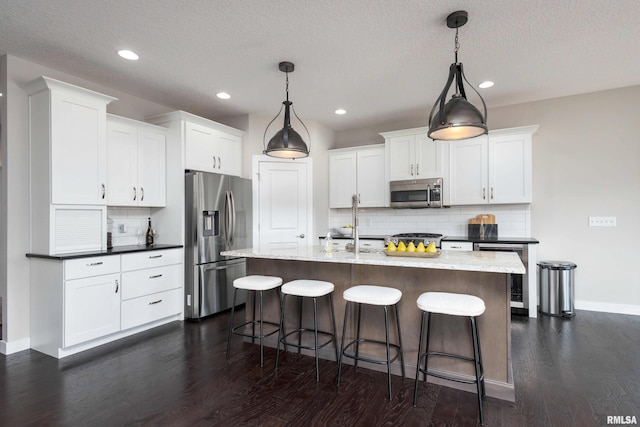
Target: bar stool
column 307, row 289
column 378, row 296
column 257, row 284
column 452, row 305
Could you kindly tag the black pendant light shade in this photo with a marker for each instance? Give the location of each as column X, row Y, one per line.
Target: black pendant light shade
column 458, row 118
column 286, row 143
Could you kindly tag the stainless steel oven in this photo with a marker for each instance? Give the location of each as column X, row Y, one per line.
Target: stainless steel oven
column 519, row 282
column 416, row 193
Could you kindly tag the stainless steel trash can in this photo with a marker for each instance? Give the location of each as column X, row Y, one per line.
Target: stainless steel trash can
column 556, row 288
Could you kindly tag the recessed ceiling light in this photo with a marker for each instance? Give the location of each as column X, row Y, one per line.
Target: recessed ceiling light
column 485, row 85
column 128, row 54
column 223, row 95
column 341, row 111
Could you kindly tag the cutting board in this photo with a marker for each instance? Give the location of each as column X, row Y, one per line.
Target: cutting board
column 483, row 219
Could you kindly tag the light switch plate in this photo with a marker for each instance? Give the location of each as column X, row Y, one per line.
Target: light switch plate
column 602, row 221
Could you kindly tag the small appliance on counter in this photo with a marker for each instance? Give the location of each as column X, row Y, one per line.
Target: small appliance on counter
column 483, row 226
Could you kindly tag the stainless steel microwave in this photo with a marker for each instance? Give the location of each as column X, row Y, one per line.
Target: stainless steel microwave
column 416, row 193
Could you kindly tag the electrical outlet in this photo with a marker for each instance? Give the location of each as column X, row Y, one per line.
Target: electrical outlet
column 121, row 228
column 602, row 221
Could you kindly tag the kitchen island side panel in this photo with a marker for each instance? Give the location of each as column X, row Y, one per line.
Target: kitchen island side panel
column 450, row 333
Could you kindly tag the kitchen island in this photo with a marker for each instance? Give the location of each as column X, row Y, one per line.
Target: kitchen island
column 483, row 274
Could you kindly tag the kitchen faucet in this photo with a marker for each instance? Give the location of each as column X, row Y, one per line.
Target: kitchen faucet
column 355, row 199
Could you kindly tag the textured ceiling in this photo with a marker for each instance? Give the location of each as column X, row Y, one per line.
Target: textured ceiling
column 381, row 60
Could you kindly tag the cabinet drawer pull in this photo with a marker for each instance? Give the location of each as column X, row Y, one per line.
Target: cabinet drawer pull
column 155, row 302
column 92, row 264
column 155, row 277
column 155, row 256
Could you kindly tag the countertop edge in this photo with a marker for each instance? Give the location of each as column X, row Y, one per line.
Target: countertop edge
column 117, row 250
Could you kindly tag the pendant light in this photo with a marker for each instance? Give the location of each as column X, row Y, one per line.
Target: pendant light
column 286, row 143
column 458, row 118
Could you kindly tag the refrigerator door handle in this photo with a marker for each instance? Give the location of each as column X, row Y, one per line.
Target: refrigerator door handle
column 227, row 219
column 233, row 217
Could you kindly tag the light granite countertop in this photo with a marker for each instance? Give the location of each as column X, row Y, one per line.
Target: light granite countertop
column 483, row 261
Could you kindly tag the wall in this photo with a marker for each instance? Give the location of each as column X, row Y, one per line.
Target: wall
column 585, row 163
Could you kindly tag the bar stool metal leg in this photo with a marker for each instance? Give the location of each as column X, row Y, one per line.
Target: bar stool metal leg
column 300, row 301
column 358, row 335
column 335, row 329
column 233, row 308
column 400, row 342
column 386, row 333
column 415, row 387
column 281, row 331
column 479, row 379
column 261, row 333
column 315, row 330
column 344, row 332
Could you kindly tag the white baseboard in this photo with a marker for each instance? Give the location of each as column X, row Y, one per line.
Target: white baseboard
column 15, row 346
column 608, row 307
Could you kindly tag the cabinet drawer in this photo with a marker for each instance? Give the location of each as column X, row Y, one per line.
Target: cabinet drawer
column 150, row 259
column 457, row 246
column 149, row 281
column 139, row 311
column 88, row 267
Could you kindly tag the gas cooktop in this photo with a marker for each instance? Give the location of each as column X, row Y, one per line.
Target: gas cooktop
column 418, row 235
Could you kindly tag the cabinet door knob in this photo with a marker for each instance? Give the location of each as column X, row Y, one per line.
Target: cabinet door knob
column 301, row 236
column 135, row 194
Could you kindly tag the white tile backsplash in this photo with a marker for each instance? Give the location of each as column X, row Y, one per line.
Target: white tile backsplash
column 512, row 220
column 135, row 221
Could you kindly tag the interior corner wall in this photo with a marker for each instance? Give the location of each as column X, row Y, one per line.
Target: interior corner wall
column 585, row 164
column 3, row 192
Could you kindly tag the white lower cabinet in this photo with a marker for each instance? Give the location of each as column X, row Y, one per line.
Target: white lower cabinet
column 91, row 308
column 456, row 246
column 151, row 286
column 80, row 303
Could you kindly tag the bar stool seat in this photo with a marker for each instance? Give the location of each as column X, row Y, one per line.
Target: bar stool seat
column 314, row 289
column 257, row 284
column 452, row 305
column 372, row 295
column 381, row 296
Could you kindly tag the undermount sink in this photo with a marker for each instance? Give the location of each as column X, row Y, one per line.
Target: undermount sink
column 349, row 248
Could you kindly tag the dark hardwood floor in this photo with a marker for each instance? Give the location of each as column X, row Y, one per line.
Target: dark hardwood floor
column 567, row 373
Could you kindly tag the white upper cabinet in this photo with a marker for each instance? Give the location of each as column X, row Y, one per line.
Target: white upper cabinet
column 358, row 171
column 208, row 146
column 413, row 155
column 136, row 163
column 492, row 169
column 68, row 142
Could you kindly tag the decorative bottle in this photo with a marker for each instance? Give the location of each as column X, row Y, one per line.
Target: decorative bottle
column 149, row 236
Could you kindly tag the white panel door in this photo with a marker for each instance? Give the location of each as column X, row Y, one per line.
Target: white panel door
column 402, row 155
column 373, row 188
column 151, row 169
column 283, row 204
column 510, row 169
column 469, row 171
column 122, row 159
column 342, row 179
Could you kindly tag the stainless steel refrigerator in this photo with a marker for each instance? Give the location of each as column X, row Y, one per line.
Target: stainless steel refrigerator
column 218, row 216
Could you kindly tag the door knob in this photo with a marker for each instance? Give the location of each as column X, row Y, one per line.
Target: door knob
column 301, row 236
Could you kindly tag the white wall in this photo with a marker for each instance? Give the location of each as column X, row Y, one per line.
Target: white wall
column 585, row 163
